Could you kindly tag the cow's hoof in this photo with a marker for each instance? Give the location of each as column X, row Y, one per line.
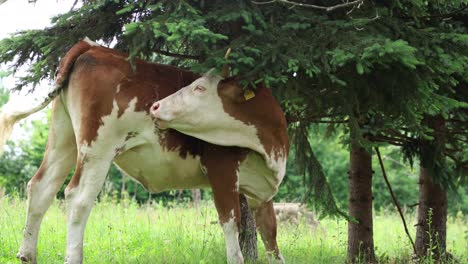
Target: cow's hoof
column 25, row 259
column 73, row 260
column 272, row 259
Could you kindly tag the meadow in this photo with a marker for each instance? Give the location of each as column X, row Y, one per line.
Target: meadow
column 125, row 232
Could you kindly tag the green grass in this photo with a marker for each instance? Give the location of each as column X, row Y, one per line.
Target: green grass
column 127, row 233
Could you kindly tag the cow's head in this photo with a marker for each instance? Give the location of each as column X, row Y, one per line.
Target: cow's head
column 206, row 110
column 192, row 107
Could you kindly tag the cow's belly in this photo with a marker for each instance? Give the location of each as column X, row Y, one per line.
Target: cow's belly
column 158, row 170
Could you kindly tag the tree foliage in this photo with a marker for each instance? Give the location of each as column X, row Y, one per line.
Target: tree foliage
column 375, row 69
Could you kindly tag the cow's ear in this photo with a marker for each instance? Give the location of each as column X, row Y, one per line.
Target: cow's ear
column 230, row 89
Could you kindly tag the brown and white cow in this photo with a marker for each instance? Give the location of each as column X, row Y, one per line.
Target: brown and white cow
column 207, row 134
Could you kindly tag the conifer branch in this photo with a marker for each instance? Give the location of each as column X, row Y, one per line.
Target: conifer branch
column 177, row 55
column 394, row 198
column 457, row 132
column 397, row 134
column 439, row 16
column 326, row 8
column 73, row 6
column 330, row 121
column 461, row 163
column 390, row 140
column 315, row 120
column 291, row 118
column 454, row 120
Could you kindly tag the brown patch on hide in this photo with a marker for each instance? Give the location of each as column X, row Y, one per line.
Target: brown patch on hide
column 173, row 140
column 266, row 224
column 131, row 135
column 261, row 111
column 222, row 165
column 75, row 180
column 63, row 71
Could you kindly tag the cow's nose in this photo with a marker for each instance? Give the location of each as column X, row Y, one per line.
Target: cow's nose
column 154, row 107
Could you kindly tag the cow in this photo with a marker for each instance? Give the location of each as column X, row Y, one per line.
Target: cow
column 293, row 212
column 165, row 127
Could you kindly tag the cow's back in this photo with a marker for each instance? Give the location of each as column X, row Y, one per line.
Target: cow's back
column 104, row 75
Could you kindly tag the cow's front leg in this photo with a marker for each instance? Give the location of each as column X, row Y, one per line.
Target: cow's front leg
column 222, row 167
column 80, row 194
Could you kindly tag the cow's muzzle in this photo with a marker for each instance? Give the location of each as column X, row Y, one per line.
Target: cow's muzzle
column 154, row 108
column 156, row 114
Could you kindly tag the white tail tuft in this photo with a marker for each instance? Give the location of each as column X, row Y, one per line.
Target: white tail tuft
column 9, row 117
column 6, row 126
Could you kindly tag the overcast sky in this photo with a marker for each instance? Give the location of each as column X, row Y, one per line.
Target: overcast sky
column 18, row 15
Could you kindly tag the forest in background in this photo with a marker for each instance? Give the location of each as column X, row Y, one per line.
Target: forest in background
column 22, row 159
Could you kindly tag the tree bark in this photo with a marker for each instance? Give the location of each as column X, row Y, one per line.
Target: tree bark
column 196, row 197
column 248, row 232
column 432, row 217
column 123, row 190
column 431, row 229
column 360, row 235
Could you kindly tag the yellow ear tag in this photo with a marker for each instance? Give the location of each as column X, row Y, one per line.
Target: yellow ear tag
column 249, row 94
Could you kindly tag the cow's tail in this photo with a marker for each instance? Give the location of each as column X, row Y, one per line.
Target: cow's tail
column 9, row 116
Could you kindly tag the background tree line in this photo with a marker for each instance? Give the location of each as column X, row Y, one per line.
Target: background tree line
column 373, row 73
column 22, row 158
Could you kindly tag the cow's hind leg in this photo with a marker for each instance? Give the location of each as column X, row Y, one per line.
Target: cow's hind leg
column 222, row 166
column 58, row 160
column 265, row 219
column 80, row 194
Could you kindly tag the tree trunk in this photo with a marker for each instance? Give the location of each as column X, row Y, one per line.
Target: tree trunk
column 432, row 217
column 248, row 232
column 431, row 229
column 196, row 197
column 360, row 235
column 123, row 190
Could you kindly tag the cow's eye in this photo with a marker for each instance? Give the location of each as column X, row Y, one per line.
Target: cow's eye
column 199, row 88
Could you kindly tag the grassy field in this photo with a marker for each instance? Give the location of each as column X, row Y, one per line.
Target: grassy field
column 127, row 233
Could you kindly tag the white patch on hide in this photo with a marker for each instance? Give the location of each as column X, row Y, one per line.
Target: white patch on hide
column 231, row 236
column 277, row 163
